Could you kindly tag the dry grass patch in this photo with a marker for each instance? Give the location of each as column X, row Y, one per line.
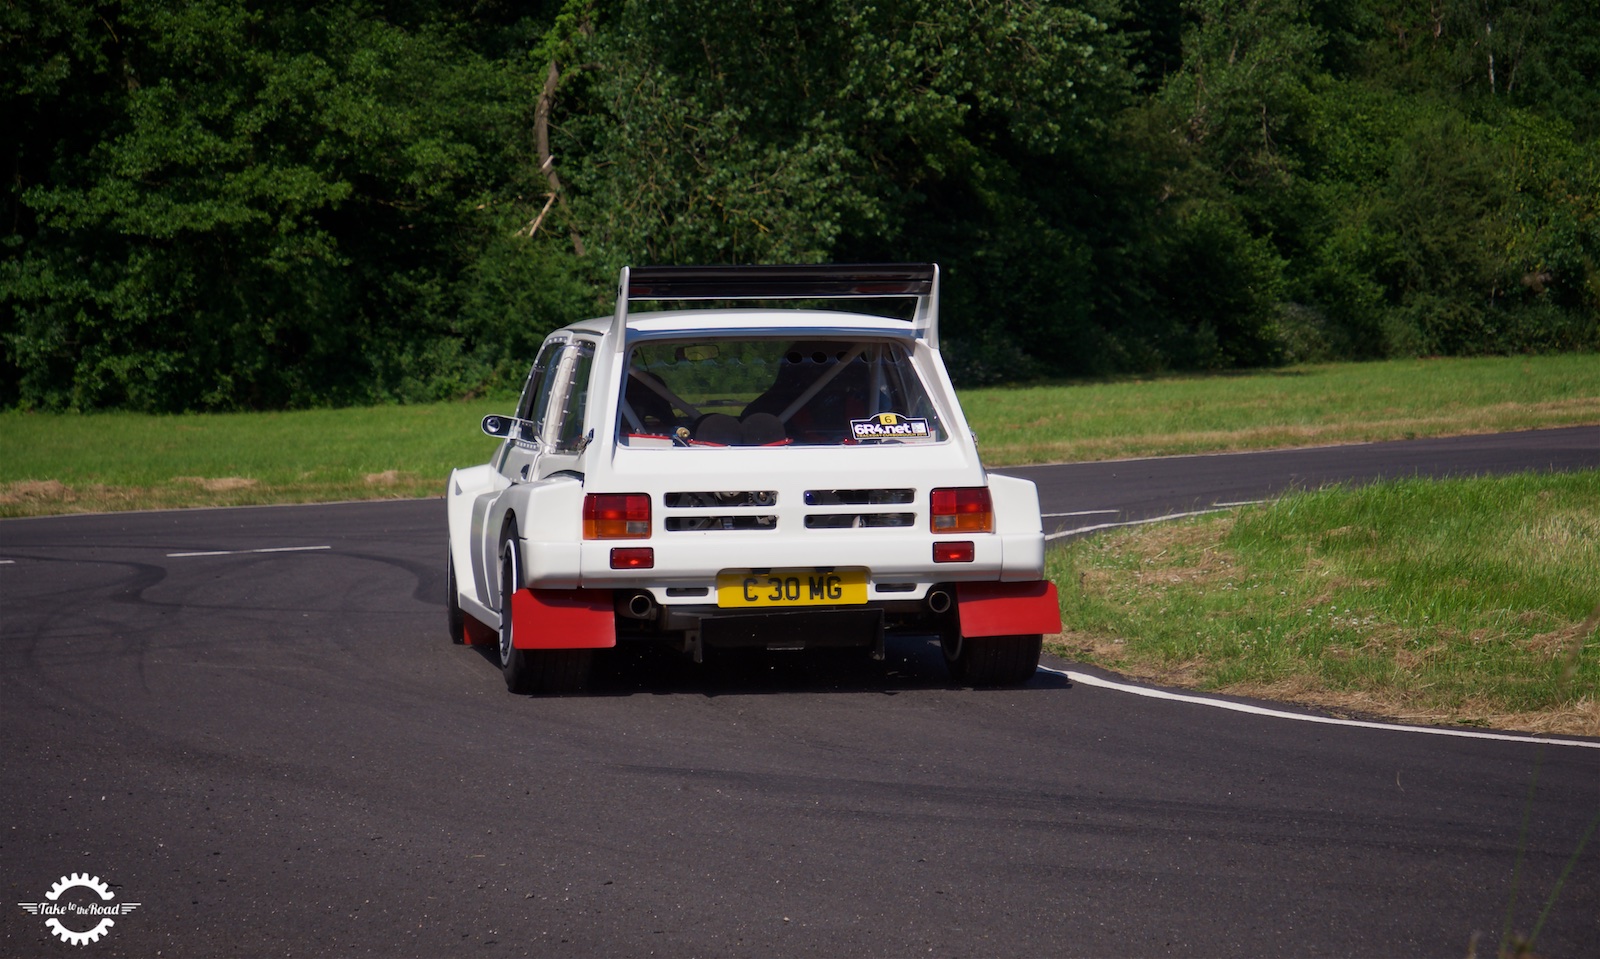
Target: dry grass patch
column 1579, row 717
column 1185, row 556
column 218, row 484
column 49, row 497
column 52, row 497
column 35, row 492
column 1095, row 647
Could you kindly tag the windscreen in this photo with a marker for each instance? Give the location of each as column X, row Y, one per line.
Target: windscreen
column 714, row 393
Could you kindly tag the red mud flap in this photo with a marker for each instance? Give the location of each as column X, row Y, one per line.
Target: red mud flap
column 563, row 619
column 1008, row 609
column 474, row 633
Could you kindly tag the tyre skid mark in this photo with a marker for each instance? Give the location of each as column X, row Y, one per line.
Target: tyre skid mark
column 241, row 552
column 1059, row 534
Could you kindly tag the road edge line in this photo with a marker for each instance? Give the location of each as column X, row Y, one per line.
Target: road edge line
column 1150, row 693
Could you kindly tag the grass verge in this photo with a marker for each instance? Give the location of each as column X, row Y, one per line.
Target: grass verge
column 69, row 463
column 1296, row 406
column 59, row 463
column 1443, row 602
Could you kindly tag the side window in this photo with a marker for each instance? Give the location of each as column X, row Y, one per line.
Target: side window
column 574, row 404
column 535, row 395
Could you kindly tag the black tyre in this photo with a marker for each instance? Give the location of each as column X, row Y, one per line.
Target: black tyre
column 452, row 603
column 533, row 670
column 992, row 660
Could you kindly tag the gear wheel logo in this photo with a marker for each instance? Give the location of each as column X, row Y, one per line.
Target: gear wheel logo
column 54, row 909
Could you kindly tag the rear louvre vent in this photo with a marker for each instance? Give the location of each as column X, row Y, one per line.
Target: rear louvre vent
column 703, row 523
column 859, row 497
column 721, row 500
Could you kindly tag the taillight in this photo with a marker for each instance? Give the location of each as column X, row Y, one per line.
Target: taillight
column 616, row 516
column 954, row 551
column 966, row 509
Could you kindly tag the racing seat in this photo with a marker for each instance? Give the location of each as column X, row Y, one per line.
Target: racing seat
column 825, row 416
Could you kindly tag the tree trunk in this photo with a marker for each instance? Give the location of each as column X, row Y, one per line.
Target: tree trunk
column 541, row 139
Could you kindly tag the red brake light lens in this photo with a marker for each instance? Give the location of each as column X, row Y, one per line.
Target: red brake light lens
column 954, row 551
column 616, row 516
column 966, row 509
column 633, row 557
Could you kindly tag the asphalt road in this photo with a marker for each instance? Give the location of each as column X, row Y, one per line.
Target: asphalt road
column 280, row 753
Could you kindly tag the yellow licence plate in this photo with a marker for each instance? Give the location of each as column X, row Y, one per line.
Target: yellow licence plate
column 846, row 586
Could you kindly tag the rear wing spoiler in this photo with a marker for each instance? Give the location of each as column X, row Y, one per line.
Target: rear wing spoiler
column 790, row 282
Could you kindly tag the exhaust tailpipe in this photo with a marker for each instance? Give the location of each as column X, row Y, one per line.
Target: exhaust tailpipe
column 938, row 601
column 637, row 606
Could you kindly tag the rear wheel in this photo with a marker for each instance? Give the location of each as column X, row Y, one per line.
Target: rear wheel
column 992, row 660
column 452, row 602
column 533, row 670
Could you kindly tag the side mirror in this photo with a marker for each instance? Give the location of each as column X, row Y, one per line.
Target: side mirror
column 496, row 425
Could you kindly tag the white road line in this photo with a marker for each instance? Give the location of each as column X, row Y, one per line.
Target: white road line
column 1088, row 680
column 8, row 562
column 1244, row 502
column 1081, row 512
column 1134, row 522
column 237, row 552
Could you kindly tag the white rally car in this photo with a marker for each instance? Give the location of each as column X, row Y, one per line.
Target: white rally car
column 745, row 477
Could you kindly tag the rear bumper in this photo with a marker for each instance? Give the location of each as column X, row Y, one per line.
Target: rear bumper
column 587, row 619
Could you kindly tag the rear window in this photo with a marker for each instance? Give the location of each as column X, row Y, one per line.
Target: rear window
column 760, row 392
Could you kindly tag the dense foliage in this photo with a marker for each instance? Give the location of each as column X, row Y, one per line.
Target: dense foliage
column 261, row 204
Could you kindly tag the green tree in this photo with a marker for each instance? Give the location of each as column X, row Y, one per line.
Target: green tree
column 252, row 203
column 275, row 212
column 689, row 131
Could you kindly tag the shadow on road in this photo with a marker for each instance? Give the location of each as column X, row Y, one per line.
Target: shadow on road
column 909, row 663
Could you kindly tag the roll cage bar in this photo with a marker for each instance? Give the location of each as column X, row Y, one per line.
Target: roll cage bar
column 806, row 281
